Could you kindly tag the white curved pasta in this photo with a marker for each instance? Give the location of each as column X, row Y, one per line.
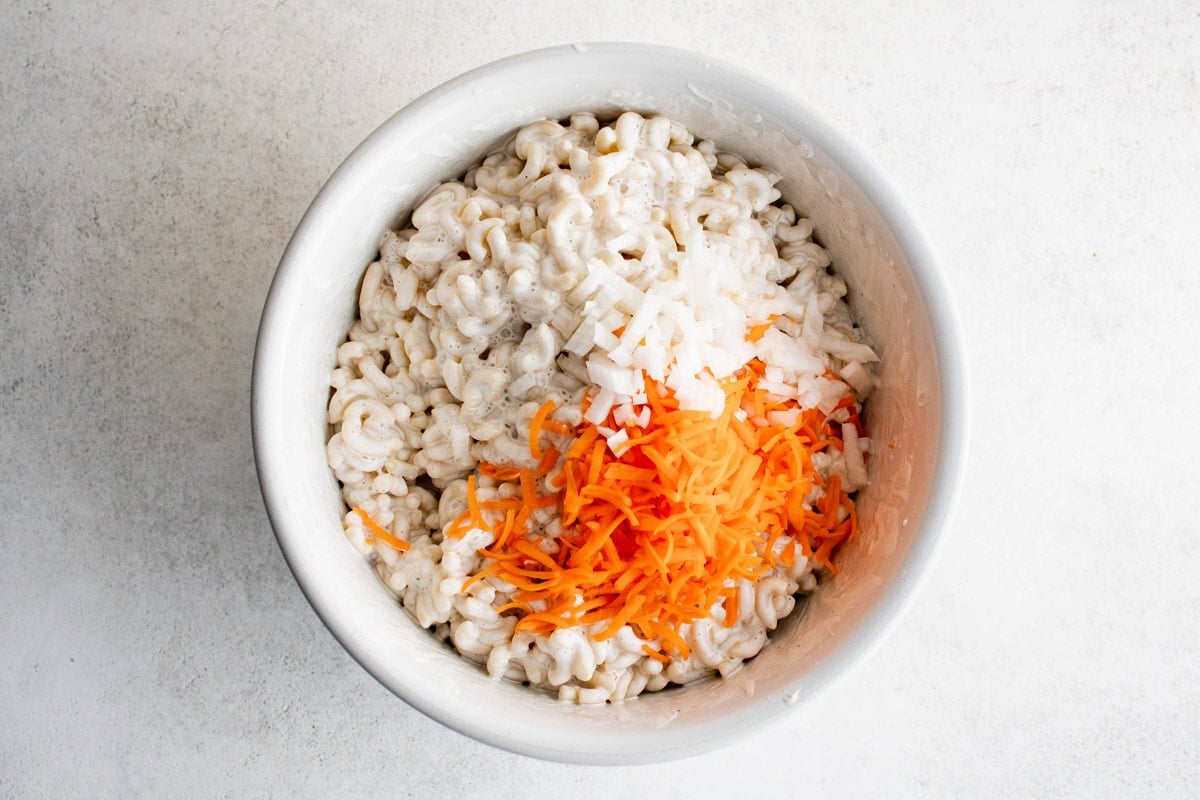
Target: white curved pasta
column 534, row 278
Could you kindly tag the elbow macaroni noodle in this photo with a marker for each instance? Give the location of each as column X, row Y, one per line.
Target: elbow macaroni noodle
column 471, row 319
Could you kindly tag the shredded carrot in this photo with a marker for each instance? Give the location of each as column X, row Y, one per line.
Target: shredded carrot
column 730, row 608
column 381, row 533
column 659, row 535
column 535, row 428
column 499, row 473
column 756, row 332
column 549, row 459
column 656, row 655
column 473, row 502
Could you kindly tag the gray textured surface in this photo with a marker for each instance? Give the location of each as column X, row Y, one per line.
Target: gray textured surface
column 153, row 161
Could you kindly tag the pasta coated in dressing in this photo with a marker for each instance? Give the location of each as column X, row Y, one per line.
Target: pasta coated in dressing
column 564, row 282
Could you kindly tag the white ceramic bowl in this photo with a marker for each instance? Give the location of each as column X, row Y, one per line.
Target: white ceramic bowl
column 897, row 290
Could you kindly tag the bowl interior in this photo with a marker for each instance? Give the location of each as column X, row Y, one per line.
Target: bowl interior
column 874, row 247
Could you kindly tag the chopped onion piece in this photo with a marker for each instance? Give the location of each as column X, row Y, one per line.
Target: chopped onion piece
column 843, row 348
column 623, row 413
column 601, row 404
column 856, row 470
column 855, row 374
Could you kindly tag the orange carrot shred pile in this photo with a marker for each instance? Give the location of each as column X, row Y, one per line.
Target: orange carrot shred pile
column 657, row 536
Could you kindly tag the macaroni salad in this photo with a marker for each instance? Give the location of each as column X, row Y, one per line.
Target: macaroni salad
column 597, row 420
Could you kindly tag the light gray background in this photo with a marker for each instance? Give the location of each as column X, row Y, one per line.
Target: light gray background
column 153, row 162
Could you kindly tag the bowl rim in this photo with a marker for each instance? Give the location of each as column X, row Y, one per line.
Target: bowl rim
column 928, row 274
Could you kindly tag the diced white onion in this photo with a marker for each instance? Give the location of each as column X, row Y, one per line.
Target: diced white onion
column 856, row 470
